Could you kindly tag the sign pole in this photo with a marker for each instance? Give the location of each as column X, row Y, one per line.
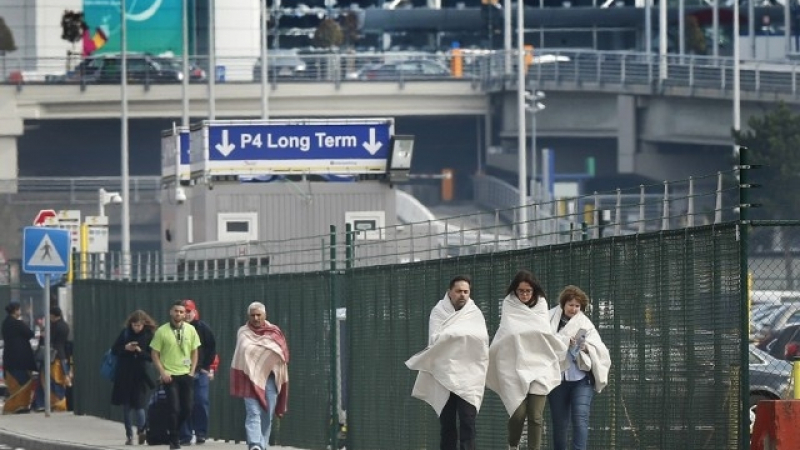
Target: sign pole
column 47, row 362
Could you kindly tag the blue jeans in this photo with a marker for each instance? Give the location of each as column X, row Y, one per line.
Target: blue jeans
column 198, row 419
column 571, row 401
column 126, row 414
column 258, row 422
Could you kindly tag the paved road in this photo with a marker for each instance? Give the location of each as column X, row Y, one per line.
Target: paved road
column 66, row 431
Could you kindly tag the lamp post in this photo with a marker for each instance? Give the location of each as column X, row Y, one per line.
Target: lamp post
column 522, row 176
column 126, row 207
column 105, row 198
column 533, row 106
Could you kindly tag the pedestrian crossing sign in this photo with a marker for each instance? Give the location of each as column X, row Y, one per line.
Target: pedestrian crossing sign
column 45, row 250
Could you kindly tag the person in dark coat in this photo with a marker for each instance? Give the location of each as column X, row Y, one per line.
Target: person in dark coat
column 18, row 361
column 132, row 382
column 197, row 422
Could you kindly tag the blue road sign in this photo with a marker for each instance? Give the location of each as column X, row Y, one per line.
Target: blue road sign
column 45, row 250
column 54, row 279
column 320, row 147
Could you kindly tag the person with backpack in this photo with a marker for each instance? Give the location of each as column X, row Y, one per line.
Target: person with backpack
column 132, row 382
column 197, row 421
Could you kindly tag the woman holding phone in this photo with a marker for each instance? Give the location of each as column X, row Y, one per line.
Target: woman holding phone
column 132, row 383
column 588, row 362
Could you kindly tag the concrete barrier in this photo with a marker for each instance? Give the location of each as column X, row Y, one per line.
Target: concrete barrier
column 776, row 425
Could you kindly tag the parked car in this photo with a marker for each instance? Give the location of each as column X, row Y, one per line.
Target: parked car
column 142, row 68
column 283, row 63
column 768, row 318
column 775, row 343
column 410, row 69
column 770, row 379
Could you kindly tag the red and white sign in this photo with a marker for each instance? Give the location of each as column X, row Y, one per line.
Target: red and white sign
column 43, row 215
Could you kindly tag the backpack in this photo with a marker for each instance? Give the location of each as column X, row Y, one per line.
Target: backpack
column 108, row 366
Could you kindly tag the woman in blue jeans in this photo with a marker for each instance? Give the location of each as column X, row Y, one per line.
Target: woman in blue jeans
column 587, row 366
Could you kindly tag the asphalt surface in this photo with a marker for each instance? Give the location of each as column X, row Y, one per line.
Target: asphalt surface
column 66, row 431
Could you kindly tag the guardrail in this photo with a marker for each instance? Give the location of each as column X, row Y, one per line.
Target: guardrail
column 486, row 69
column 80, row 189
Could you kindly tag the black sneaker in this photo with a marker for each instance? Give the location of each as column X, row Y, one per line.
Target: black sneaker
column 129, row 441
column 174, row 446
column 142, row 437
column 200, row 441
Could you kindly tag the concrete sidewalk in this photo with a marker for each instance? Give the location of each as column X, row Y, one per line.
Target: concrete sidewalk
column 66, row 431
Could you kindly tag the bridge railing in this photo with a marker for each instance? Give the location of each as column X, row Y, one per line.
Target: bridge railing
column 681, row 203
column 483, row 68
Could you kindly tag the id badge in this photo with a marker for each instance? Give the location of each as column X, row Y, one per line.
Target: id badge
column 187, row 362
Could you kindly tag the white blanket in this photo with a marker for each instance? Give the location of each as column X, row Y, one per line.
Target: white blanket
column 595, row 357
column 525, row 354
column 456, row 357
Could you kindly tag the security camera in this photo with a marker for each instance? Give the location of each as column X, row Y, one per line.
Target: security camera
column 180, row 196
column 116, row 198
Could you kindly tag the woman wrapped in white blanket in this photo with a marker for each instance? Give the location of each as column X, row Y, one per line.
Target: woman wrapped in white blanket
column 586, row 372
column 525, row 359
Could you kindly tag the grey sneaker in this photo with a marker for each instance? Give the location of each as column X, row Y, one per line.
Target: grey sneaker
column 129, row 441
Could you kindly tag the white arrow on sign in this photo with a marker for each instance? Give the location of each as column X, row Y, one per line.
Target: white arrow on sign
column 372, row 146
column 225, row 147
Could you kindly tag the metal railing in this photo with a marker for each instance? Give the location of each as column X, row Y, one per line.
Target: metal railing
column 486, row 69
column 676, row 204
column 76, row 190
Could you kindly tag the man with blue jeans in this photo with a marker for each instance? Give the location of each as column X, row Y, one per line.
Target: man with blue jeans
column 259, row 374
column 174, row 352
column 197, row 421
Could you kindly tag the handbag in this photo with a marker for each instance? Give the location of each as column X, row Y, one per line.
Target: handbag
column 108, row 366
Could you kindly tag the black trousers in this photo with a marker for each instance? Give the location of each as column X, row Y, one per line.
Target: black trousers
column 179, row 397
column 466, row 413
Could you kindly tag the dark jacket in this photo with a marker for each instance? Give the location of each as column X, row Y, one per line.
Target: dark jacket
column 132, row 383
column 208, row 345
column 59, row 331
column 17, row 350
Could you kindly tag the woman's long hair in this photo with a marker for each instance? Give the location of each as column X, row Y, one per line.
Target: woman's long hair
column 143, row 317
column 526, row 277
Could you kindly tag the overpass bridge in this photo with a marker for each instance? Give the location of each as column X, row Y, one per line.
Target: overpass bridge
column 610, row 105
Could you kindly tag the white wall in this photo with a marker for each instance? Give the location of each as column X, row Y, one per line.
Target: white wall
column 238, row 34
column 36, row 25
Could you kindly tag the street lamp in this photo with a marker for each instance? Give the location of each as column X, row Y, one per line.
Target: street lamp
column 533, row 106
column 106, row 198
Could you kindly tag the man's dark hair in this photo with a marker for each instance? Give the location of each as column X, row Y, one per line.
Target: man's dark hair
column 458, row 278
column 177, row 303
column 55, row 311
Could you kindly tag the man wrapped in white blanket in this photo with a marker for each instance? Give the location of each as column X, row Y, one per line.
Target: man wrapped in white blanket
column 525, row 359
column 452, row 368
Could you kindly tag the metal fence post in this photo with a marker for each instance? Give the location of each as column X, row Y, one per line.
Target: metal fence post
column 642, row 211
column 718, row 204
column 665, row 208
column 744, row 200
column 334, row 407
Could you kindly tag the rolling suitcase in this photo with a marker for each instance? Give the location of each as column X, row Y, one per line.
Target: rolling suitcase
column 158, row 418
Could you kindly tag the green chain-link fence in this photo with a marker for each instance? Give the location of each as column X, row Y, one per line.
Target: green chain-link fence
column 667, row 304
